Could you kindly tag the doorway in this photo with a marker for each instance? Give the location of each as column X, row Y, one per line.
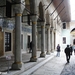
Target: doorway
column 74, row 41
column 28, row 41
column 7, row 41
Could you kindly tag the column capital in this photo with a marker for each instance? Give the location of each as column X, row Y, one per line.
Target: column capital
column 42, row 23
column 42, row 26
column 18, row 8
column 51, row 28
column 34, row 17
column 55, row 30
column 48, row 26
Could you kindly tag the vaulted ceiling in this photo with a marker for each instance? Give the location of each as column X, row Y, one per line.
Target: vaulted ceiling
column 63, row 9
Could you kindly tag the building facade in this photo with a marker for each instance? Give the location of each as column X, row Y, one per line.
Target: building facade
column 26, row 21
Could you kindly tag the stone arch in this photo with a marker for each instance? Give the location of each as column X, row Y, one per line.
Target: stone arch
column 47, row 18
column 33, row 7
column 51, row 21
column 39, row 21
column 27, row 4
column 26, row 13
column 73, row 31
column 41, row 11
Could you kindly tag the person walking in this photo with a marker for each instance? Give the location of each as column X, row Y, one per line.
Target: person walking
column 58, row 50
column 67, row 52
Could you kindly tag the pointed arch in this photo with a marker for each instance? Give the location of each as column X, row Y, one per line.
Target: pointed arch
column 41, row 11
column 73, row 31
column 47, row 18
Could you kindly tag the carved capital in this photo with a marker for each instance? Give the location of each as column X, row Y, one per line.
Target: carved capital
column 51, row 28
column 18, row 8
column 34, row 18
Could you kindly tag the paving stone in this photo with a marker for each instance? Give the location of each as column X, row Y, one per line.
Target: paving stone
column 57, row 66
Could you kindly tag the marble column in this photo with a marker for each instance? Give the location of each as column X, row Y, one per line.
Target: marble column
column 48, row 40
column 17, row 65
column 34, row 35
column 42, row 40
column 52, row 40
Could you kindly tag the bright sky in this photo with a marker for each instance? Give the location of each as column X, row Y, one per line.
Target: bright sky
column 72, row 3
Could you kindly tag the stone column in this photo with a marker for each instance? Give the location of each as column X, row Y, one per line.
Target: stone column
column 18, row 28
column 34, row 43
column 48, row 40
column 42, row 40
column 52, row 40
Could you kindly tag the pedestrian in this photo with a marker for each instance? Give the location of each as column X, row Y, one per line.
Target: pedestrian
column 30, row 47
column 71, row 49
column 58, row 50
column 67, row 52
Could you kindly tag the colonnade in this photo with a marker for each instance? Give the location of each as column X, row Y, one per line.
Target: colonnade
column 18, row 25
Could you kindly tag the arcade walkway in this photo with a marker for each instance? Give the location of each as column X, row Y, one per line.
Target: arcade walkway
column 57, row 66
column 50, row 65
column 26, row 66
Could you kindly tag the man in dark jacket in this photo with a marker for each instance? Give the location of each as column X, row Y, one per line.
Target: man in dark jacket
column 67, row 52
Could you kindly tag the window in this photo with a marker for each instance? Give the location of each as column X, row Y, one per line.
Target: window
column 64, row 40
column 7, row 41
column 64, row 25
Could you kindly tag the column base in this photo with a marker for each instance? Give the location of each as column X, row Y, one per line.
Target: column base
column 48, row 53
column 42, row 55
column 52, row 51
column 33, row 59
column 16, row 66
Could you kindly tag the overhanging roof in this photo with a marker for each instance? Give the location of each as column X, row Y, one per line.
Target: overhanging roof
column 63, row 10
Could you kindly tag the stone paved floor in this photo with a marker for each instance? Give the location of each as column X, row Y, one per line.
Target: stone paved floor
column 57, row 66
column 4, row 63
column 69, row 69
column 27, row 66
